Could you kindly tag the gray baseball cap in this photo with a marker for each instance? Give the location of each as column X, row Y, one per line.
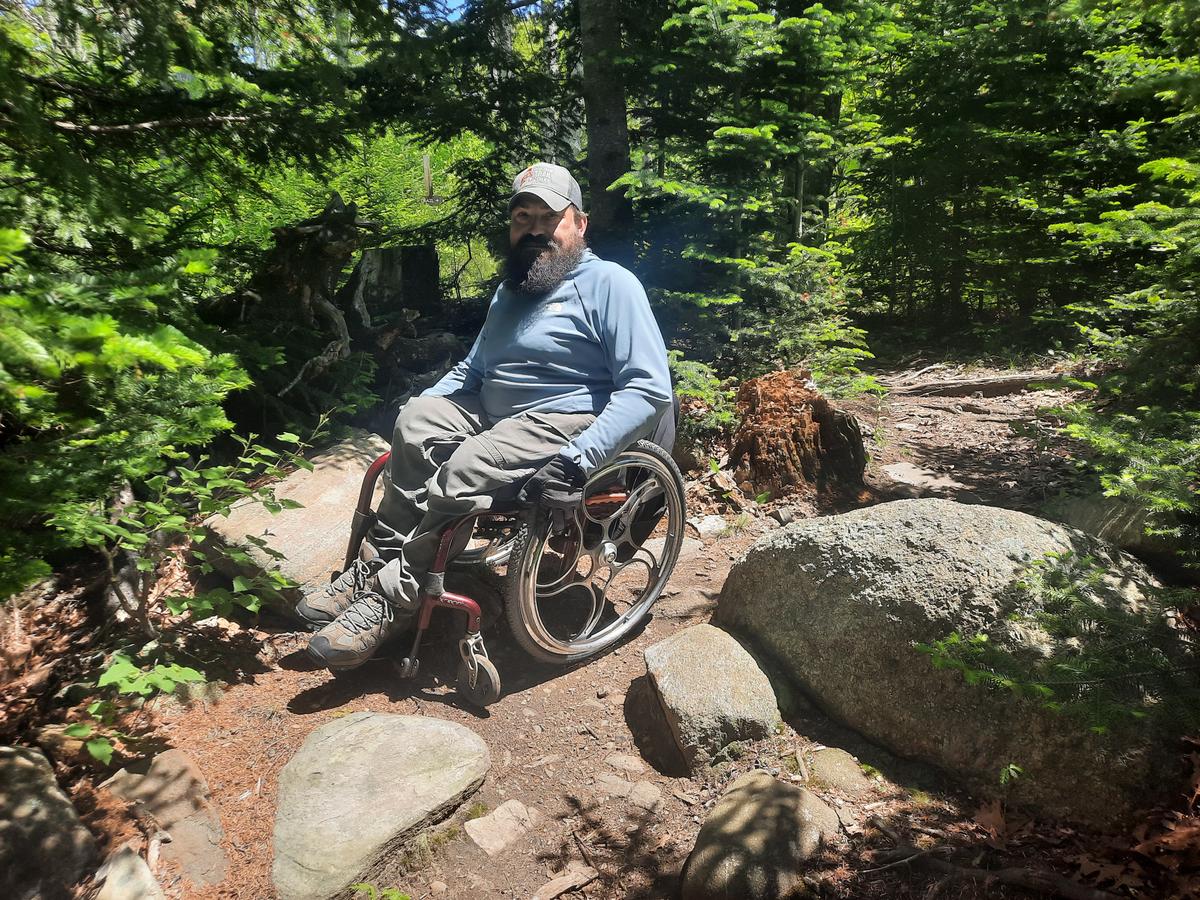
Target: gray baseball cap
column 549, row 182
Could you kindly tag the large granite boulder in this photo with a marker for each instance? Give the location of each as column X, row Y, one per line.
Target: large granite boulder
column 44, row 848
column 711, row 690
column 361, row 788
column 840, row 602
column 312, row 537
column 756, row 840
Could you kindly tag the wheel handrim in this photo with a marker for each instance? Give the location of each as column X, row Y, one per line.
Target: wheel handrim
column 607, row 568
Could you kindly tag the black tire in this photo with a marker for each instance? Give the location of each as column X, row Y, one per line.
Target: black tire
column 523, row 611
column 487, row 682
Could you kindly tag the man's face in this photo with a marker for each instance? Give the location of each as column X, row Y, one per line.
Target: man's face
column 544, row 246
column 531, row 217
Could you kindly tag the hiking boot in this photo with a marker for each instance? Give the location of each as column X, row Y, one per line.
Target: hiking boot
column 354, row 636
column 321, row 605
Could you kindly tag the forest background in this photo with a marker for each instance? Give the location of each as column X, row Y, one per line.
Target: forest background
column 796, row 184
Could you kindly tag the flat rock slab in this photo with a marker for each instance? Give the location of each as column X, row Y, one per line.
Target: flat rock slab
column 499, row 830
column 711, row 690
column 922, row 481
column 691, row 603
column 358, row 790
column 626, row 763
column 127, row 877
column 172, row 789
column 690, row 548
column 835, row 768
column 44, row 848
column 754, row 843
column 644, row 794
column 314, row 537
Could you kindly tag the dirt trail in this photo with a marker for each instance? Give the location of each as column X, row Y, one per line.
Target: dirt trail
column 553, row 729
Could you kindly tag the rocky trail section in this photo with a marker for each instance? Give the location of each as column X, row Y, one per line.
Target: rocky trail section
column 994, row 445
column 583, row 798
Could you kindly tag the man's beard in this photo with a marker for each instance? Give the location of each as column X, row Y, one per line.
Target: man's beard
column 536, row 265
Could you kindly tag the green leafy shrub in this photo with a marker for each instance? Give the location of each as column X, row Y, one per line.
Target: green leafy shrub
column 95, row 391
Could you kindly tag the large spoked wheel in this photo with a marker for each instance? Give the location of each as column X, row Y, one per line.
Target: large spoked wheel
column 573, row 594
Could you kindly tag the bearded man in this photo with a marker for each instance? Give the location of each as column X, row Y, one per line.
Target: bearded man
column 568, row 370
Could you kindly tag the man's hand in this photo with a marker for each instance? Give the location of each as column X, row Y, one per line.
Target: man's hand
column 558, row 486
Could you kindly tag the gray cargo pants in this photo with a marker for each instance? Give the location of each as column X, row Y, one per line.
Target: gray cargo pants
column 449, row 460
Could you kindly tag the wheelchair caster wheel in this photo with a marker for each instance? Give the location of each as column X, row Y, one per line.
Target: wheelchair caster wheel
column 408, row 667
column 486, row 689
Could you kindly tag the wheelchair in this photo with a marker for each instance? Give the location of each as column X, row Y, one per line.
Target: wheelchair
column 569, row 592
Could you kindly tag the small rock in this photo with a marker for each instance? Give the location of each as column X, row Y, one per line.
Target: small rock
column 838, row 769
column 693, row 602
column 905, row 426
column 44, row 848
column 756, row 840
column 712, row 692
column 503, row 827
column 646, row 795
column 626, row 763
column 59, row 745
column 479, row 884
column 74, row 693
column 709, row 526
column 438, row 887
column 172, row 788
column 613, row 786
column 601, row 692
column 127, row 877
column 922, row 480
column 689, row 549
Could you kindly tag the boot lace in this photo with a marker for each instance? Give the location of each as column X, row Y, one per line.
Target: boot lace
column 369, row 610
column 356, row 577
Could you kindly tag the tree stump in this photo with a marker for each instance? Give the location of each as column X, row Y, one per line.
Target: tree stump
column 790, row 438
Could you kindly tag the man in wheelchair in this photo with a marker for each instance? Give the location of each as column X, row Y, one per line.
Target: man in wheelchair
column 568, row 370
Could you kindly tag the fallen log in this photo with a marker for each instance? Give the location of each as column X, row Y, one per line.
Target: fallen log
column 991, row 386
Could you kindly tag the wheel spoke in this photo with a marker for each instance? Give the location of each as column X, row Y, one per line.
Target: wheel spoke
column 654, row 561
column 559, row 587
column 597, row 612
column 637, row 497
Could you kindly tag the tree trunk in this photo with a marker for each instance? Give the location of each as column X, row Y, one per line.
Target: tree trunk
column 611, row 213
